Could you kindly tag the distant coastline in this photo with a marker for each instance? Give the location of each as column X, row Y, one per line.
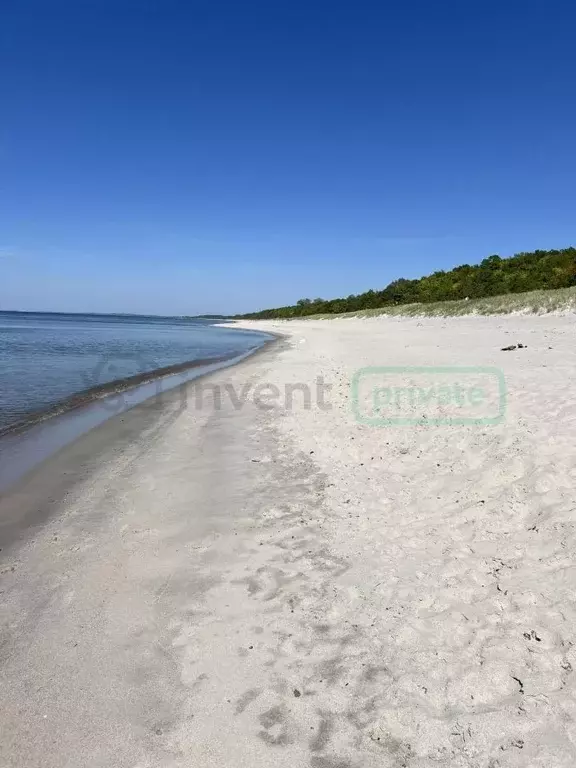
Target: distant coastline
column 494, row 277
column 108, row 315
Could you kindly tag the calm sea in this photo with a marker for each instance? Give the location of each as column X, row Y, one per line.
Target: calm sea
column 47, row 358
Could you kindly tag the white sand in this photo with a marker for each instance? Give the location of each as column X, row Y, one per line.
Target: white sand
column 289, row 587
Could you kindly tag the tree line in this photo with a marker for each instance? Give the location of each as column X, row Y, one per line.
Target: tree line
column 494, row 276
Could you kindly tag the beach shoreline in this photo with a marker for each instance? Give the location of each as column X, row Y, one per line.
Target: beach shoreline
column 100, row 391
column 269, row 579
column 52, row 363
column 28, row 442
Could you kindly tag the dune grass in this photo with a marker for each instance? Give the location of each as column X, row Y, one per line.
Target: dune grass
column 534, row 302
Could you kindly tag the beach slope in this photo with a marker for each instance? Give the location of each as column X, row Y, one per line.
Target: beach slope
column 260, row 573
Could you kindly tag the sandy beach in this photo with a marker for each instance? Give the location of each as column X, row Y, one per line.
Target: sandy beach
column 252, row 572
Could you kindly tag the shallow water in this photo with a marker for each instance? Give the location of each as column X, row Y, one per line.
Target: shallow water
column 45, row 359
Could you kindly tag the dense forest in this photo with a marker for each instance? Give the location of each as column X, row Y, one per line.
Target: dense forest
column 492, row 277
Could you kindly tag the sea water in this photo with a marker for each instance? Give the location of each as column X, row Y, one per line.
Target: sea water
column 47, row 359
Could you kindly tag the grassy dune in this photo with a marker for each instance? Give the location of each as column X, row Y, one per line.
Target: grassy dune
column 534, row 302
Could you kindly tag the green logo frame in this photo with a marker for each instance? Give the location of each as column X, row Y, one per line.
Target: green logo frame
column 373, row 421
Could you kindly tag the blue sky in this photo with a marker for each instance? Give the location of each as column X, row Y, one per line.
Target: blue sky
column 187, row 157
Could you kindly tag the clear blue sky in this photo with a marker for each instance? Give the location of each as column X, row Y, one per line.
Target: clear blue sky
column 187, row 157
